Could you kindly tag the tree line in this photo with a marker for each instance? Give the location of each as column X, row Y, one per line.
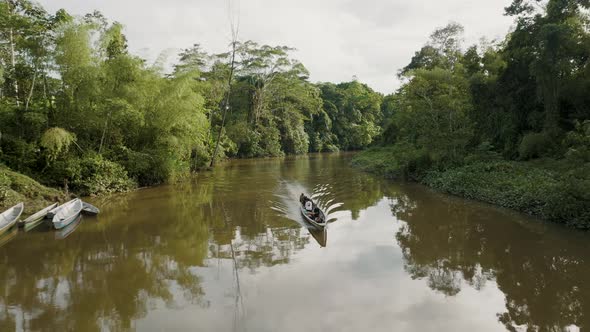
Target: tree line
column 77, row 109
column 506, row 121
column 523, row 97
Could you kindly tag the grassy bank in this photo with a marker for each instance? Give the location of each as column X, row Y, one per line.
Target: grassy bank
column 549, row 189
column 15, row 188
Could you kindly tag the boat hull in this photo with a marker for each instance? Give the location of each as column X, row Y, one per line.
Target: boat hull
column 7, row 227
column 37, row 218
column 89, row 209
column 67, row 214
column 32, row 225
column 311, row 221
column 65, row 222
column 10, row 217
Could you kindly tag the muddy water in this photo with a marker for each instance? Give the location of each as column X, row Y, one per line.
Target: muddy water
column 228, row 251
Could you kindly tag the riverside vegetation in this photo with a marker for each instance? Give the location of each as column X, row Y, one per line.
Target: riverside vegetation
column 505, row 122
column 78, row 111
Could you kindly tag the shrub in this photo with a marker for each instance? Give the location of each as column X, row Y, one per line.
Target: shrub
column 146, row 168
column 270, row 142
column 534, row 145
column 4, row 185
column 399, row 161
column 100, row 176
column 229, row 148
column 16, row 187
column 525, row 187
column 246, row 140
column 330, row 148
column 577, row 144
column 201, row 158
column 18, row 154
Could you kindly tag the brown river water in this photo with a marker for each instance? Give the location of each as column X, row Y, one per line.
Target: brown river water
column 229, row 251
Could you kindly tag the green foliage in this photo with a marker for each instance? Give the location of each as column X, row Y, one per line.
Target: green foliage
column 158, row 127
column 15, row 188
column 106, row 101
column 4, row 186
column 400, row 161
column 534, row 145
column 56, row 141
column 577, row 144
column 18, row 154
column 146, row 168
column 246, row 139
column 442, row 50
column 521, row 98
column 459, row 113
column 433, row 115
column 354, row 112
column 524, row 187
column 100, row 176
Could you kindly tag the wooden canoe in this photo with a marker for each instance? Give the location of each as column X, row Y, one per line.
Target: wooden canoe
column 89, row 209
column 67, row 213
column 37, row 218
column 310, row 220
column 54, row 211
column 9, row 217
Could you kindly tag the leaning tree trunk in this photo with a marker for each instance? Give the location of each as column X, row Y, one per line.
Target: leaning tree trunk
column 225, row 103
column 32, row 89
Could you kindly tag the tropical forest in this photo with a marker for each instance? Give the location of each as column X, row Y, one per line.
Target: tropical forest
column 294, row 166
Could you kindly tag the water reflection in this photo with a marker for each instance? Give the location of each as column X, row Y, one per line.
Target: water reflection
column 321, row 236
column 541, row 268
column 8, row 236
column 69, row 229
column 229, row 250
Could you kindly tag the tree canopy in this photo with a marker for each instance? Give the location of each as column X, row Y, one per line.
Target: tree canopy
column 74, row 100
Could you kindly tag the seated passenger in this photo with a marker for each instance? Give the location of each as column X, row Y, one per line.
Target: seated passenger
column 302, row 198
column 309, row 205
column 317, row 215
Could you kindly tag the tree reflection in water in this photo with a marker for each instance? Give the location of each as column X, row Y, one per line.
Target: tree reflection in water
column 540, row 268
column 154, row 249
column 142, row 251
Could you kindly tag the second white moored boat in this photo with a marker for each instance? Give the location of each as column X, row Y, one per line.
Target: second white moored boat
column 67, row 213
column 36, row 218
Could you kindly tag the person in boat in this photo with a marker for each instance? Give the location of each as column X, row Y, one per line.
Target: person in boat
column 302, row 199
column 319, row 220
column 308, row 205
column 317, row 216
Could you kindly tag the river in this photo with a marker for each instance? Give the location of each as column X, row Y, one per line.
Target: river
column 228, row 251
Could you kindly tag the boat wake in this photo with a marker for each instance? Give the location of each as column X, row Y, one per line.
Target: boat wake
column 287, row 202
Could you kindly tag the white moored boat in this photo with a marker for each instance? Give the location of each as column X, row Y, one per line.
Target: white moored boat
column 9, row 217
column 67, row 213
column 35, row 219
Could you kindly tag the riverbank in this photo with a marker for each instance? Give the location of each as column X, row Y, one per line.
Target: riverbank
column 549, row 189
column 16, row 187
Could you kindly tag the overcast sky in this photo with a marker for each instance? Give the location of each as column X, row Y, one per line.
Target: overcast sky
column 335, row 39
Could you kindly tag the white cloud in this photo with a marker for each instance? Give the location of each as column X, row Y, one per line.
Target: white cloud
column 336, row 39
